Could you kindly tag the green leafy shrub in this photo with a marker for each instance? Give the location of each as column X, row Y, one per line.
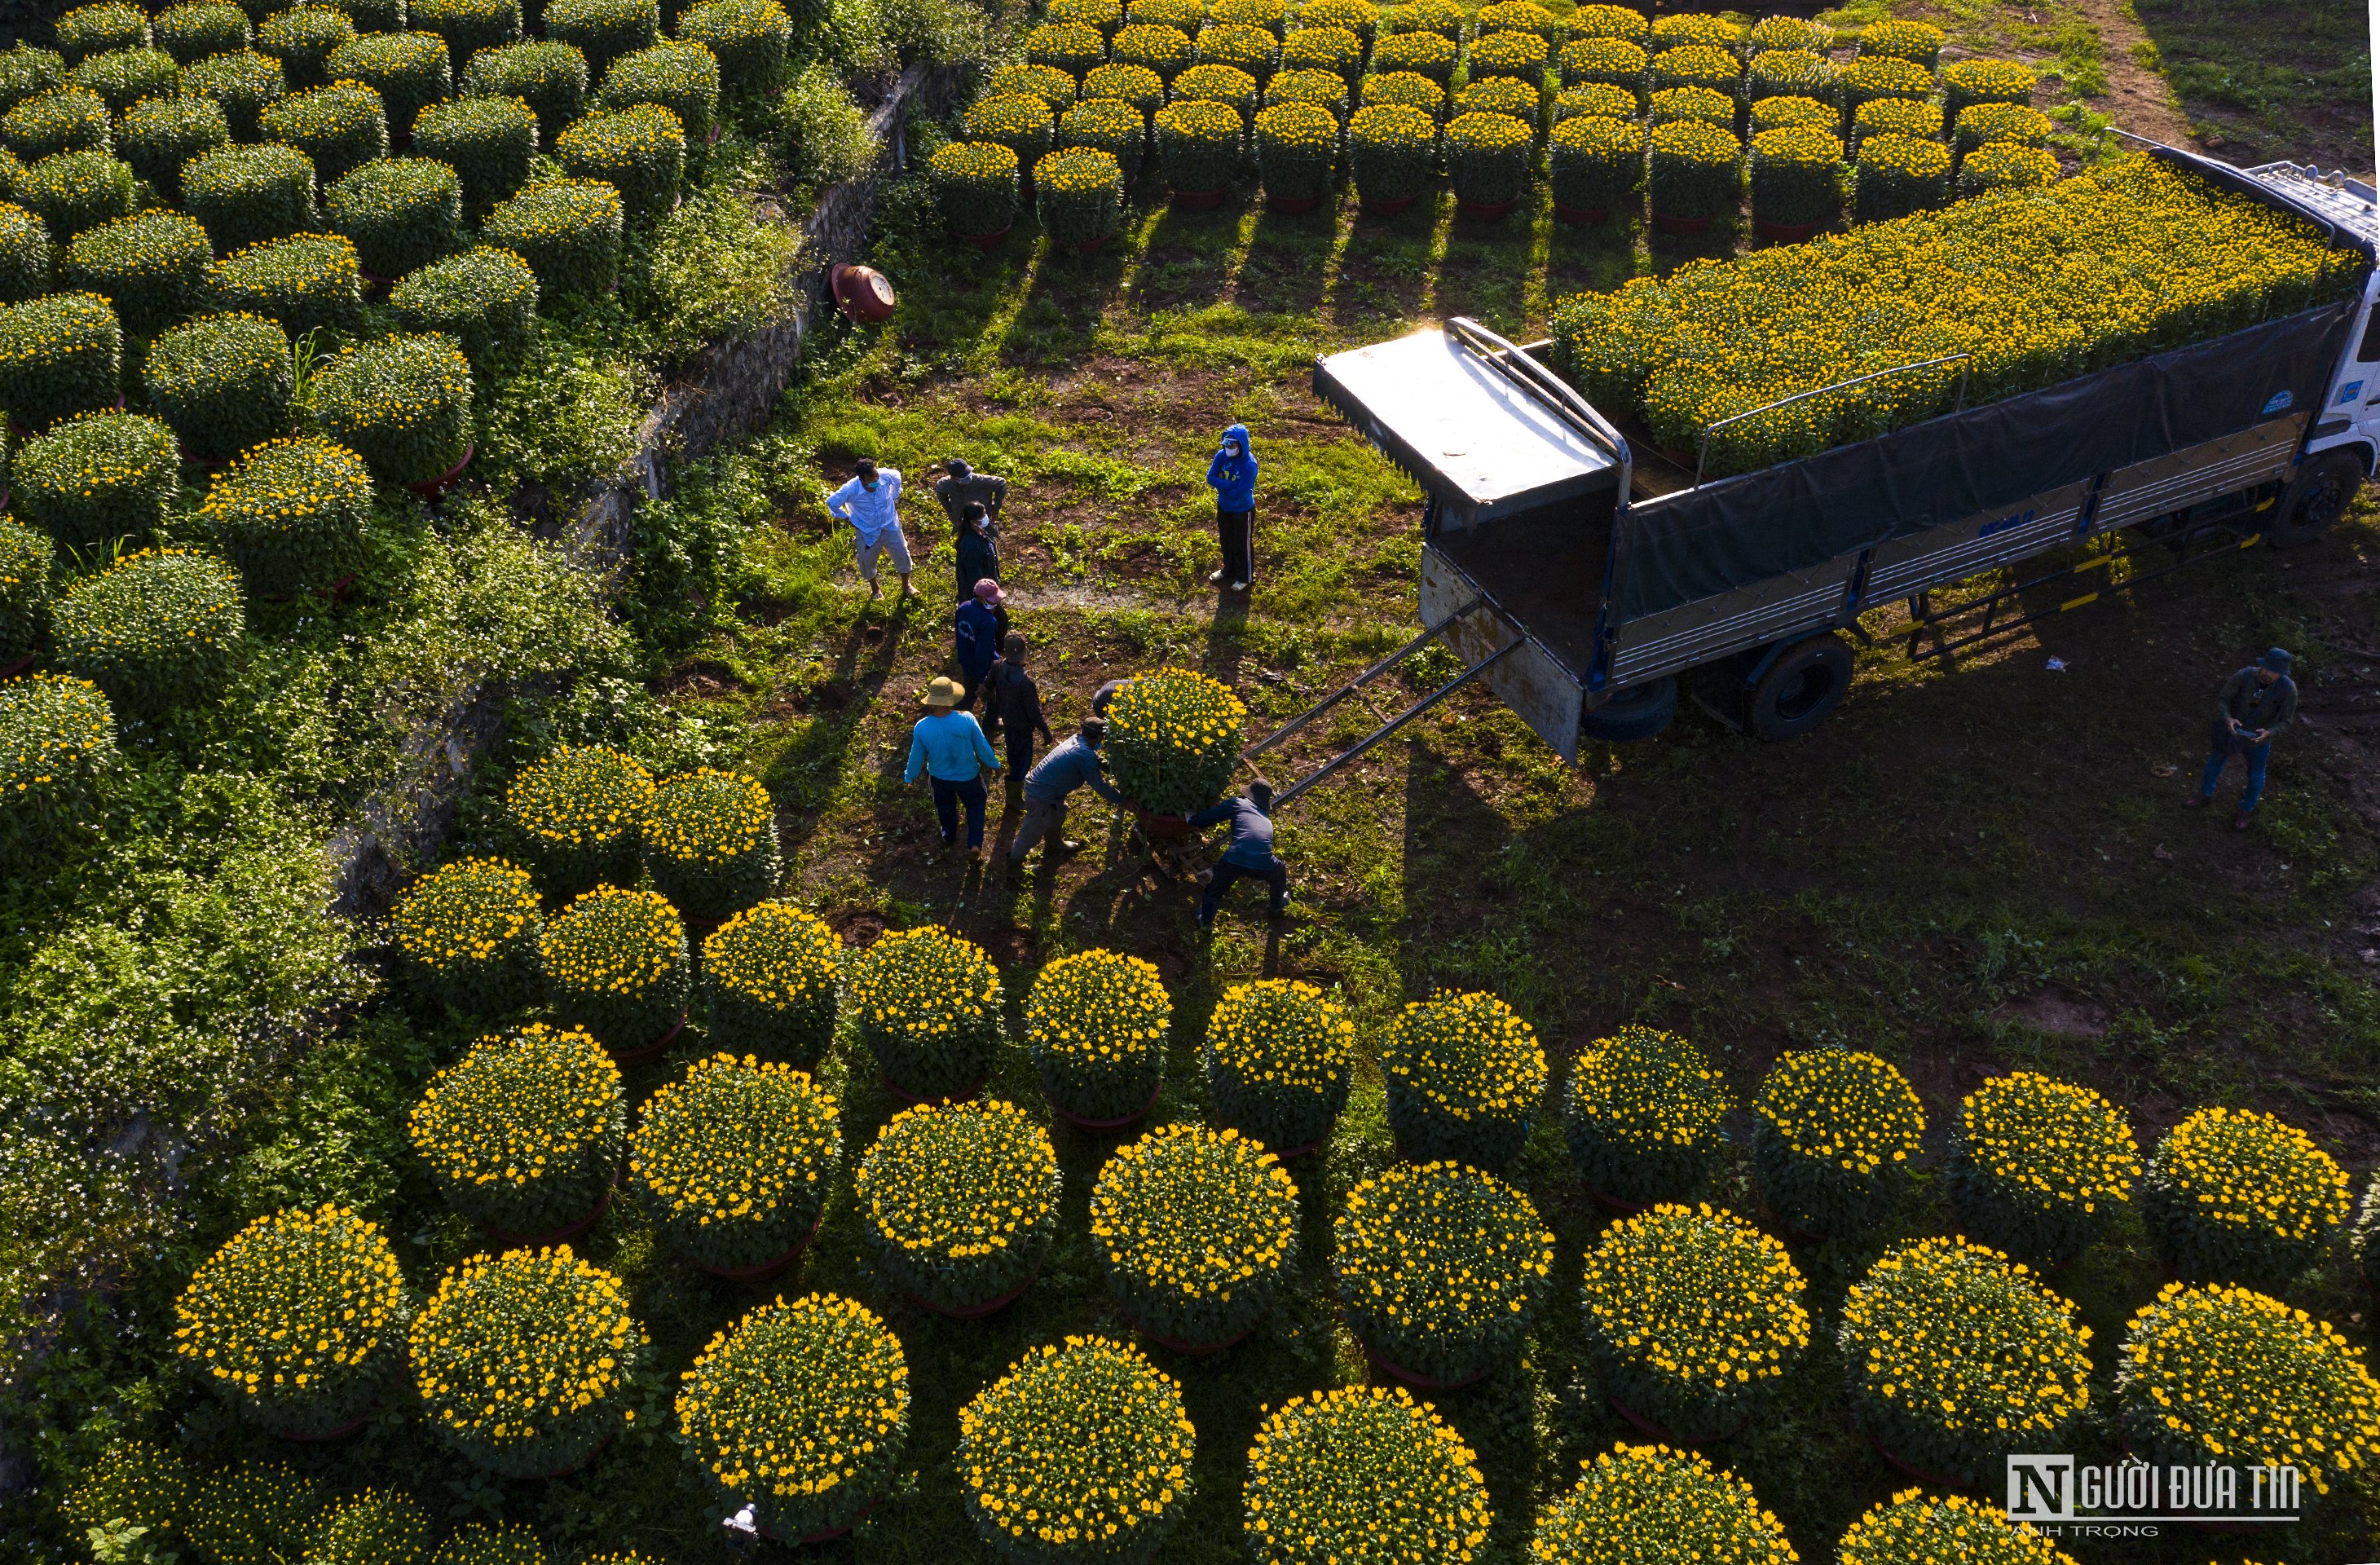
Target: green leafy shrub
column 1095, row 1024
column 1673, row 103
column 1920, row 43
column 2005, row 166
column 682, row 77
column 1358, row 17
column 307, row 282
column 500, row 1334
column 66, row 119
column 1832, row 1138
column 1900, row 174
column 1021, row 123
column 958, row 1202
column 974, row 186
column 302, row 38
column 801, row 1412
column 248, row 195
column 291, row 513
column 1772, row 33
column 929, row 1008
column 252, row 1514
column 340, row 127
column 1193, row 1229
column 470, row 930
column 1465, row 1073
column 123, row 77
column 1953, row 1359
column 1409, row 90
column 73, row 191
column 57, row 736
column 1424, row 53
column 403, row 404
column 1649, row 1503
column 1441, row 1268
column 2040, row 1168
column 1981, row 124
column 710, row 842
column 640, row 151
column 734, row 1163
column 1692, row 169
column 1897, row 116
column 503, row 1543
column 824, row 135
column 97, row 478
column 297, row 1321
column 373, row 1527
column 490, row 142
column 567, row 230
column 720, row 267
column 26, row 71
column 1297, row 151
column 769, row 984
column 1509, row 54
column 2363, row 1239
column 1091, row 1431
column 1791, row 73
column 1521, row 15
column 521, row 1135
column 1078, row 195
column 27, row 558
column 1251, row 50
column 135, row 1481
column 1797, row 176
column 26, row 257
column 1487, row 154
column 1065, row 46
column 1693, row 1317
column 750, row 39
column 1137, row 85
column 1105, row 15
column 579, row 817
column 158, row 136
column 1166, row 51
column 1970, row 82
column 152, row 268
column 604, row 30
column 1174, row 735
column 193, row 30
column 1507, row 95
column 60, row 354
column 1218, row 84
column 616, row 963
column 483, row 298
column 1199, row 142
column 1279, row 1060
column 1050, row 84
column 400, row 213
column 373, row 15
column 1612, row 61
column 1334, row 50
column 468, row 26
column 1600, row 99
column 1361, row 1473
column 409, row 70
column 2218, row 1373
column 1883, row 76
column 156, row 630
column 2234, row 1195
column 1272, row 16
column 1318, row 89
column 1595, row 162
column 1642, row 1112
column 550, row 78
column 89, row 30
column 1694, row 66
column 1443, row 18
column 1777, row 114
column 1389, row 151
column 243, row 85
column 1107, row 126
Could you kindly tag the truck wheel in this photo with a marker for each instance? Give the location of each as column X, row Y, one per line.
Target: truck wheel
column 1801, row 688
column 1638, row 713
column 2315, row 498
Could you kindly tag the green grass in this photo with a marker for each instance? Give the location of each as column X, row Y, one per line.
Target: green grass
column 2262, row 79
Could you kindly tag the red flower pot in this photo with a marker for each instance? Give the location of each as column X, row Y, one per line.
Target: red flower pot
column 862, row 293
column 431, row 489
column 988, row 241
column 350, row 1427
column 1484, row 212
column 1668, row 225
column 766, row 1269
column 1090, row 247
column 1193, row 1350
column 19, row 666
column 1380, row 1364
column 1663, row 1432
column 562, row 1235
column 1911, row 1469
column 1784, row 232
column 963, row 1095
column 1580, row 217
column 1614, row 1204
column 989, row 1306
column 1079, row 1123
column 651, row 1051
column 1198, row 201
column 1388, row 206
column 1291, row 206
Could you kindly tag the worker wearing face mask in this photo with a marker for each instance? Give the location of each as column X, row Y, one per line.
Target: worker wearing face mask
column 870, row 503
column 1232, row 475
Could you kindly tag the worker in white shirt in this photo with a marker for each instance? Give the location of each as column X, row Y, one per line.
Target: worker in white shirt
column 870, row 504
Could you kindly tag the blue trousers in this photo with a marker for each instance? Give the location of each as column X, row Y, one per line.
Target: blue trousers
column 2256, row 756
column 948, row 797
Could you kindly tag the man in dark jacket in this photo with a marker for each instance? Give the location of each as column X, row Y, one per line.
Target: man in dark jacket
column 976, row 548
column 2255, row 704
column 1250, row 854
column 1074, row 764
column 976, row 629
column 1012, row 706
column 1232, row 475
column 964, row 487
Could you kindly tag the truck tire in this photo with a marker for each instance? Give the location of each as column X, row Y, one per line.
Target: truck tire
column 2318, row 496
column 1638, row 713
column 1804, row 685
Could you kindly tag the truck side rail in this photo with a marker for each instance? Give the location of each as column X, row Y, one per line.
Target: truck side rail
column 1702, row 450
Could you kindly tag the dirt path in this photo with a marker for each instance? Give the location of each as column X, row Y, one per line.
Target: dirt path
column 2139, row 98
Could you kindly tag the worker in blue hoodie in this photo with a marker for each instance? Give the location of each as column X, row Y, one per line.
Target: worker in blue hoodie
column 1232, row 475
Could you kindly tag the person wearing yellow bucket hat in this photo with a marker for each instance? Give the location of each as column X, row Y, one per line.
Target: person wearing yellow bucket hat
column 948, row 746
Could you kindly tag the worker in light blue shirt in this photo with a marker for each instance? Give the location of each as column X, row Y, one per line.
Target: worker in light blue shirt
column 948, row 745
column 870, row 503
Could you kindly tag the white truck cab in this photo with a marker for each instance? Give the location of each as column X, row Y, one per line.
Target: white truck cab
column 2349, row 416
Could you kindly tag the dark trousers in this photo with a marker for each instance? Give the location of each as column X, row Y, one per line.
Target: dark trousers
column 1237, row 531
column 948, row 797
column 1020, row 757
column 970, row 685
column 1228, row 875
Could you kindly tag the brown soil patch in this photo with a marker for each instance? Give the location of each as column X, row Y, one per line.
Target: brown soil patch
column 2138, row 99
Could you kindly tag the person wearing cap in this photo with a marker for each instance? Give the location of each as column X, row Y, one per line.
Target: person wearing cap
column 1074, row 764
column 977, row 629
column 964, row 487
column 1250, row 854
column 948, row 745
column 871, row 503
column 2254, row 706
column 1232, row 475
column 977, row 548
